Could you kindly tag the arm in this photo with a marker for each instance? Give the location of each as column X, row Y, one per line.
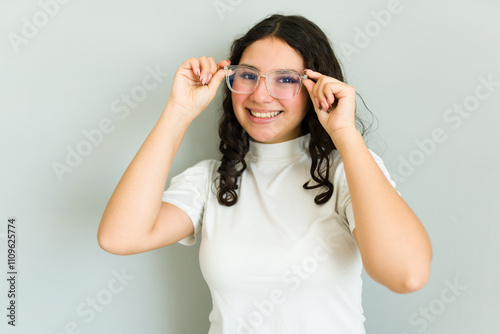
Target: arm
column 393, row 243
column 135, row 219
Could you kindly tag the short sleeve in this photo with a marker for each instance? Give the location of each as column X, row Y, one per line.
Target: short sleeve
column 188, row 191
column 341, row 189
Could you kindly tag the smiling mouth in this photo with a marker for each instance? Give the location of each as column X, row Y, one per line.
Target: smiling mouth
column 270, row 114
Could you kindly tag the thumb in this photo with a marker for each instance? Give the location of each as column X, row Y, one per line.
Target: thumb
column 216, row 81
column 309, row 84
column 217, row 78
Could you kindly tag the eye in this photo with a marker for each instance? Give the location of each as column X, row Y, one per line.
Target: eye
column 287, row 79
column 247, row 75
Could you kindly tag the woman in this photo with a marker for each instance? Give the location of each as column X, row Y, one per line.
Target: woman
column 297, row 203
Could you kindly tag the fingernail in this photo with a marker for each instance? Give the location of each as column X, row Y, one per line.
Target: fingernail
column 209, row 78
column 325, row 105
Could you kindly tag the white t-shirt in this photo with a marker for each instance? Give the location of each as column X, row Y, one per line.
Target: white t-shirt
column 275, row 262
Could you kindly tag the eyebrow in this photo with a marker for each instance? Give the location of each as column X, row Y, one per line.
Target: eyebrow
column 280, row 69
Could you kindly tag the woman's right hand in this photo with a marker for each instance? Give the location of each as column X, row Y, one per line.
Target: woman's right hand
column 195, row 84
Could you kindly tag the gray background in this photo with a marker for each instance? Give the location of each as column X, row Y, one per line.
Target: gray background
column 67, row 76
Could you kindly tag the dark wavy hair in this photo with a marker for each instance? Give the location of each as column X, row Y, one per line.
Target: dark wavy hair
column 313, row 45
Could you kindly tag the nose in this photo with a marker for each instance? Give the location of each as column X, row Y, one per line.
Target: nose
column 261, row 94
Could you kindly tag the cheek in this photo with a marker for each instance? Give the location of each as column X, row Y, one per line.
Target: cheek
column 237, row 100
column 299, row 105
column 304, row 96
column 238, row 109
column 305, row 100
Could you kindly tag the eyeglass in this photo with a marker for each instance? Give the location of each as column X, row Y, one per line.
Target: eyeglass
column 281, row 84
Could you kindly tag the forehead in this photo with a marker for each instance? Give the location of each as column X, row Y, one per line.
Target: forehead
column 272, row 54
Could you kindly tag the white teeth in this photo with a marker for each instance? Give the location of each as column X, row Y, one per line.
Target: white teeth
column 265, row 115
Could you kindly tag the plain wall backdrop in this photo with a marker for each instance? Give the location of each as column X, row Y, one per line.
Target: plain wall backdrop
column 82, row 83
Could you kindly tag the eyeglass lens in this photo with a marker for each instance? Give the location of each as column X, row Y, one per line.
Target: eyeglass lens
column 281, row 84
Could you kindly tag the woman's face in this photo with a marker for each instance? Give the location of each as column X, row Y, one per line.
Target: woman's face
column 267, row 55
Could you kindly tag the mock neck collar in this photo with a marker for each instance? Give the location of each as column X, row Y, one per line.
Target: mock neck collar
column 282, row 150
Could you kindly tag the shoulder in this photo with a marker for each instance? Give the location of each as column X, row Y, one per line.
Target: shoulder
column 201, row 172
column 193, row 183
column 207, row 165
column 338, row 172
column 204, row 165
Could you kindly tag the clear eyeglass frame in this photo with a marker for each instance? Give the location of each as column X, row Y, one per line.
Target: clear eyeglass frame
column 301, row 77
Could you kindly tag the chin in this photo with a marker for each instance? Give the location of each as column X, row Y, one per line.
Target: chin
column 267, row 138
column 262, row 138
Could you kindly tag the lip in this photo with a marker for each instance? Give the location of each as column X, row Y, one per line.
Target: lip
column 259, row 120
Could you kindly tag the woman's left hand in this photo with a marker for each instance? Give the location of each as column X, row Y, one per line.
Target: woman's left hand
column 334, row 102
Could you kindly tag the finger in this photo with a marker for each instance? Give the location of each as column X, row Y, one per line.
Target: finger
column 319, row 93
column 217, row 78
column 209, row 67
column 309, row 84
column 213, row 69
column 222, row 63
column 205, row 69
column 329, row 95
column 316, row 89
column 213, row 64
column 330, row 91
column 313, row 75
column 193, row 64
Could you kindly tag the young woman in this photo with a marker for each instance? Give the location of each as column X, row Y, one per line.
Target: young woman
column 295, row 207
